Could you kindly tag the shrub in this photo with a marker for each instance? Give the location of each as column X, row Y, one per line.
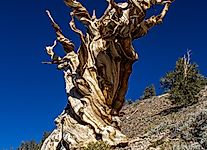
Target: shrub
column 100, row 145
column 128, row 102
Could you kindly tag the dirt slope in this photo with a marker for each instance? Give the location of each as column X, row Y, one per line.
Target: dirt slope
column 156, row 124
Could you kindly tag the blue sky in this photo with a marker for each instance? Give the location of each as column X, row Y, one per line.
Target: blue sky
column 33, row 94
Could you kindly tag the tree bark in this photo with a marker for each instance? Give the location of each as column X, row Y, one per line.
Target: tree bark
column 96, row 77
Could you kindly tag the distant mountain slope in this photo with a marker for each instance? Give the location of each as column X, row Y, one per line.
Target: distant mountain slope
column 156, row 124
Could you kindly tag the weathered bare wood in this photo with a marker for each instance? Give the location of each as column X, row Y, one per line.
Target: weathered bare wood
column 79, row 10
column 96, row 77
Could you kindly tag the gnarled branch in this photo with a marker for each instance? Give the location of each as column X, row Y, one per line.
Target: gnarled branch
column 66, row 43
column 143, row 28
column 79, row 10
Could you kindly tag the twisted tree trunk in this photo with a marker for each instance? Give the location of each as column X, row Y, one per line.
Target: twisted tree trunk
column 96, row 77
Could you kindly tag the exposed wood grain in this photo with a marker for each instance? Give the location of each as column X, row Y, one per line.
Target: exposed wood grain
column 96, row 77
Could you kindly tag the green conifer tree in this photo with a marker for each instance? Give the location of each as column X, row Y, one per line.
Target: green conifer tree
column 30, row 145
column 149, row 92
column 45, row 135
column 184, row 82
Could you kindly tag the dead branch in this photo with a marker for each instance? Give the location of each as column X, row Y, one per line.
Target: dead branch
column 186, row 61
column 66, row 43
column 79, row 10
column 73, row 27
column 49, row 50
column 146, row 25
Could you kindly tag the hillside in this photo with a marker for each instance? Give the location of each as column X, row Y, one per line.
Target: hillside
column 156, row 124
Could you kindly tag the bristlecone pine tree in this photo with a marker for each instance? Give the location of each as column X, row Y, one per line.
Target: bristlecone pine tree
column 96, row 75
column 184, row 82
column 149, row 92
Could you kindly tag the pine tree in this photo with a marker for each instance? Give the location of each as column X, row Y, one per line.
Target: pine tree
column 149, row 92
column 31, row 145
column 184, row 82
column 45, row 135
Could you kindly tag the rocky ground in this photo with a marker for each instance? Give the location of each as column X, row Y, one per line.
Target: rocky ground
column 156, row 124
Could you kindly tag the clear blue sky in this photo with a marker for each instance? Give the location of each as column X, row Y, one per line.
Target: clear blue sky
column 33, row 94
